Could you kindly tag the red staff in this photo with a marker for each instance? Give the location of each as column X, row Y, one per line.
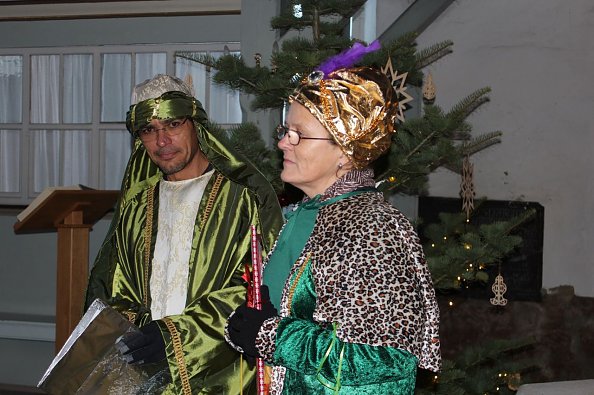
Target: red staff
column 257, row 303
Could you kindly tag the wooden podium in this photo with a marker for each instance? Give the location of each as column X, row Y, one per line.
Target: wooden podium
column 72, row 213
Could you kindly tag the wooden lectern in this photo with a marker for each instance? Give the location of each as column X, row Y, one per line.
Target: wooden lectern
column 72, row 213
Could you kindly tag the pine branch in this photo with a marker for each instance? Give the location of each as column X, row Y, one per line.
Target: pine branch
column 480, row 143
column 477, row 355
column 467, row 105
column 204, row 59
column 513, row 224
column 433, row 53
column 247, row 140
column 420, row 145
column 482, row 368
column 454, row 244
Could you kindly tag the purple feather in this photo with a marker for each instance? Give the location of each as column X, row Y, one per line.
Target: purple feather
column 348, row 57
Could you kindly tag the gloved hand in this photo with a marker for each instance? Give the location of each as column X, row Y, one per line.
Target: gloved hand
column 245, row 323
column 147, row 346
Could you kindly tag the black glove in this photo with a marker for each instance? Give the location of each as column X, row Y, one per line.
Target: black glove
column 147, row 346
column 245, row 323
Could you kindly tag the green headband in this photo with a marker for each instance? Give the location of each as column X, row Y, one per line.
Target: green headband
column 170, row 105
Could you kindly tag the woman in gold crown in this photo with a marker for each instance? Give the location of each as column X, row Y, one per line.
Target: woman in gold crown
column 357, row 310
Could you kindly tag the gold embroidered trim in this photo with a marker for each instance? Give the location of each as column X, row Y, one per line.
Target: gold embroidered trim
column 210, row 202
column 130, row 316
column 295, row 282
column 148, row 233
column 179, row 356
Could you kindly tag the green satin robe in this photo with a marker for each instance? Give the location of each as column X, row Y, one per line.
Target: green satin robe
column 199, row 360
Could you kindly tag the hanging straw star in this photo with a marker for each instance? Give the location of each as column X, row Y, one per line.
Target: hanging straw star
column 398, row 81
column 467, row 187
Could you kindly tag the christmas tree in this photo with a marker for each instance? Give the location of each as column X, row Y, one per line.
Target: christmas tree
column 457, row 251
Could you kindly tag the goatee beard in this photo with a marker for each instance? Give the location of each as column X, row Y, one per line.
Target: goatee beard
column 173, row 170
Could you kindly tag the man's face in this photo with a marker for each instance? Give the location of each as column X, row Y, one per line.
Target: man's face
column 175, row 151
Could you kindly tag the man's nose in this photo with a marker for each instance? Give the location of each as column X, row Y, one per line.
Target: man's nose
column 162, row 137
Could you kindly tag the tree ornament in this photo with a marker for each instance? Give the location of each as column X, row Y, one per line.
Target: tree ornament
column 297, row 11
column 467, row 187
column 258, row 58
column 398, row 83
column 391, row 179
column 428, row 90
column 513, row 381
column 295, row 78
column 499, row 288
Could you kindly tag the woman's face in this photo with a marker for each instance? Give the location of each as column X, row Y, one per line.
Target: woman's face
column 311, row 165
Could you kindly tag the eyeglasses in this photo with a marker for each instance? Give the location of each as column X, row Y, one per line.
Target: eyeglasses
column 171, row 127
column 294, row 136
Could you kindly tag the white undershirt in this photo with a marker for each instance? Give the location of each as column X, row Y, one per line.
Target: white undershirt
column 178, row 207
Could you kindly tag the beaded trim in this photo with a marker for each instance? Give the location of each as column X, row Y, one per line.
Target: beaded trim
column 148, row 233
column 210, row 202
column 295, row 282
column 179, row 356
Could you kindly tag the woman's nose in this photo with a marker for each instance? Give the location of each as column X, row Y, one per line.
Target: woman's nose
column 283, row 144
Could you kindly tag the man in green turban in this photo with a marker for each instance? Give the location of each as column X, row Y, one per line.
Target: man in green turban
column 173, row 258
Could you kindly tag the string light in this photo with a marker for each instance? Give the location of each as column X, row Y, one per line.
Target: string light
column 450, row 303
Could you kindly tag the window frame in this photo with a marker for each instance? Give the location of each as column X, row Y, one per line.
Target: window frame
column 97, row 135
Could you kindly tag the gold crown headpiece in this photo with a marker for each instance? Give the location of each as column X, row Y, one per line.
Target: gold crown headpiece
column 359, row 106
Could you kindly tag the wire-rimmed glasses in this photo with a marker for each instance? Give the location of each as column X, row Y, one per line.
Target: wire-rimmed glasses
column 171, row 127
column 294, row 136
